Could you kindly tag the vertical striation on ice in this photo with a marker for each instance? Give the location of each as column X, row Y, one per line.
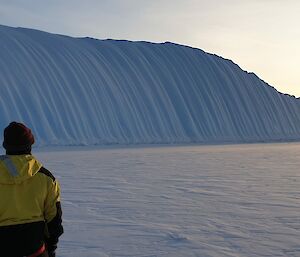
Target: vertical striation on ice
column 87, row 91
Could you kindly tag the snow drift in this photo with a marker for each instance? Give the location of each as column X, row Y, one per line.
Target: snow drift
column 88, row 91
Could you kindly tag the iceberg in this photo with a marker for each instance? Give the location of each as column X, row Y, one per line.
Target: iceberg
column 85, row 91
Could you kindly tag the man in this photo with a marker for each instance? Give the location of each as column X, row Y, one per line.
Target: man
column 30, row 211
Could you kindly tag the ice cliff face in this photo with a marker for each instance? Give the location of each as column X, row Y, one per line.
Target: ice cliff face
column 87, row 91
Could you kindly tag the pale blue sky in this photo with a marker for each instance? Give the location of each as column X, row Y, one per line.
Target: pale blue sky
column 262, row 36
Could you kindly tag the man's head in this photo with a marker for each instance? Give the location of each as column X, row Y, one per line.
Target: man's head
column 18, row 139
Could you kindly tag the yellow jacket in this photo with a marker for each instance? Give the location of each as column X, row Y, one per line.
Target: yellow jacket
column 27, row 193
column 30, row 210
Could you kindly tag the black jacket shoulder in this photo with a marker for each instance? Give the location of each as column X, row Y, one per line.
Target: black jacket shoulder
column 46, row 172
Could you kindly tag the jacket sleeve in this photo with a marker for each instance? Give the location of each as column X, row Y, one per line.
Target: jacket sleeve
column 52, row 213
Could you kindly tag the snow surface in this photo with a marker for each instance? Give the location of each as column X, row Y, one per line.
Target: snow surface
column 87, row 91
column 230, row 200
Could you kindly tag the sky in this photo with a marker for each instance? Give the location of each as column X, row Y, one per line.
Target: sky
column 261, row 36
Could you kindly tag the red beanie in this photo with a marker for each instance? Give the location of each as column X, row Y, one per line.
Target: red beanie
column 17, row 137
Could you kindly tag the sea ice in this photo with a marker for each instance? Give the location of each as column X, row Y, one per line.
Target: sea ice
column 220, row 200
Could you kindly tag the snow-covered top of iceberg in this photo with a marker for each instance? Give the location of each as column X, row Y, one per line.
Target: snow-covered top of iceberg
column 87, row 91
